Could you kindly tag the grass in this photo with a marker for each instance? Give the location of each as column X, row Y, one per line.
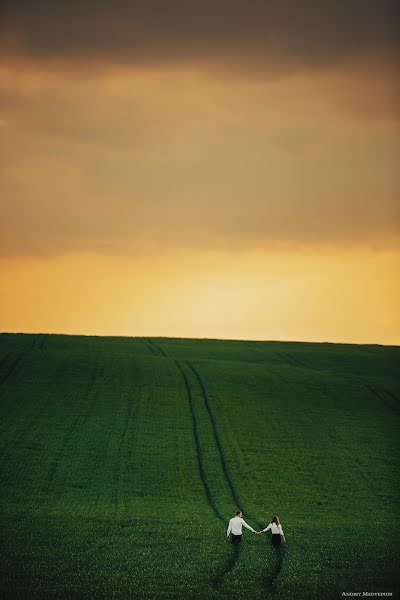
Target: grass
column 122, row 460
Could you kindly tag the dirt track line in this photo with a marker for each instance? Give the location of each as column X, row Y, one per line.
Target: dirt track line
column 130, row 416
column 5, row 359
column 42, row 340
column 290, row 359
column 200, row 459
column 10, row 370
column 230, row 565
column 160, row 350
column 380, row 397
column 12, row 367
column 14, row 409
column 148, row 346
column 39, row 341
column 217, row 580
column 92, row 397
column 234, row 494
column 36, row 341
column 154, row 349
column 129, row 419
column 270, row 580
column 392, row 396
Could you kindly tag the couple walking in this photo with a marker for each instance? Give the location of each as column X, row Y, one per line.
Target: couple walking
column 234, row 530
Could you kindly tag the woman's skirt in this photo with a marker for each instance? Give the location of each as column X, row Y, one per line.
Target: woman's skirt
column 276, row 539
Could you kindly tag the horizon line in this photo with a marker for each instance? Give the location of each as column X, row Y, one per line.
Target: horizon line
column 164, row 337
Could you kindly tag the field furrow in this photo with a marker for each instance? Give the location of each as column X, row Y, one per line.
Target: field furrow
column 11, row 365
column 149, row 346
column 200, row 459
column 157, row 348
column 269, row 578
column 217, row 440
column 214, row 492
column 73, row 422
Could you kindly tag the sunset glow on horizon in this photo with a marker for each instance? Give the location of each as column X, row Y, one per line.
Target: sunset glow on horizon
column 200, row 173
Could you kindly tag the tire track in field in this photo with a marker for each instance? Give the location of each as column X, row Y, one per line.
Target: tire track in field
column 15, row 364
column 231, row 563
column 204, row 394
column 295, row 362
column 316, row 375
column 130, row 415
column 271, row 579
column 148, row 346
column 117, row 477
column 379, row 395
column 91, row 395
column 4, row 359
column 383, row 399
column 39, row 341
column 158, row 350
column 154, row 349
column 199, row 454
column 393, row 397
column 288, row 358
column 36, row 341
column 217, row 580
column 12, row 367
column 42, row 341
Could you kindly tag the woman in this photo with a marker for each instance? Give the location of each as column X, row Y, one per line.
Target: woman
column 276, row 530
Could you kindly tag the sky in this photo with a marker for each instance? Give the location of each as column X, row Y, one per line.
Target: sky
column 200, row 169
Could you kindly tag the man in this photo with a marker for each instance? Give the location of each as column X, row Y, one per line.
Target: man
column 235, row 528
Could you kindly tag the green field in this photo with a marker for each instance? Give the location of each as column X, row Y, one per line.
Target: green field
column 122, row 460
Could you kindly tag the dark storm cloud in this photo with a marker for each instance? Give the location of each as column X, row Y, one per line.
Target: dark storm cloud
column 158, row 31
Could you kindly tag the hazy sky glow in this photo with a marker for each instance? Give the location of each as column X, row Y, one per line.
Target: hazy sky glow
column 221, row 170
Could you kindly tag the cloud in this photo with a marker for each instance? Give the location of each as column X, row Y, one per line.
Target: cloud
column 157, row 152
column 258, row 35
column 135, row 165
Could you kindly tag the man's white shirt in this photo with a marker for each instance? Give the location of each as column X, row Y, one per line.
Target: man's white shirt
column 235, row 526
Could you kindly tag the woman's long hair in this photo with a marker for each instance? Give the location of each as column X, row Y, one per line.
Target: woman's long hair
column 275, row 520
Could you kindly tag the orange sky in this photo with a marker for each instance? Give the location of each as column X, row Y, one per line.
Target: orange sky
column 197, row 181
column 333, row 296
